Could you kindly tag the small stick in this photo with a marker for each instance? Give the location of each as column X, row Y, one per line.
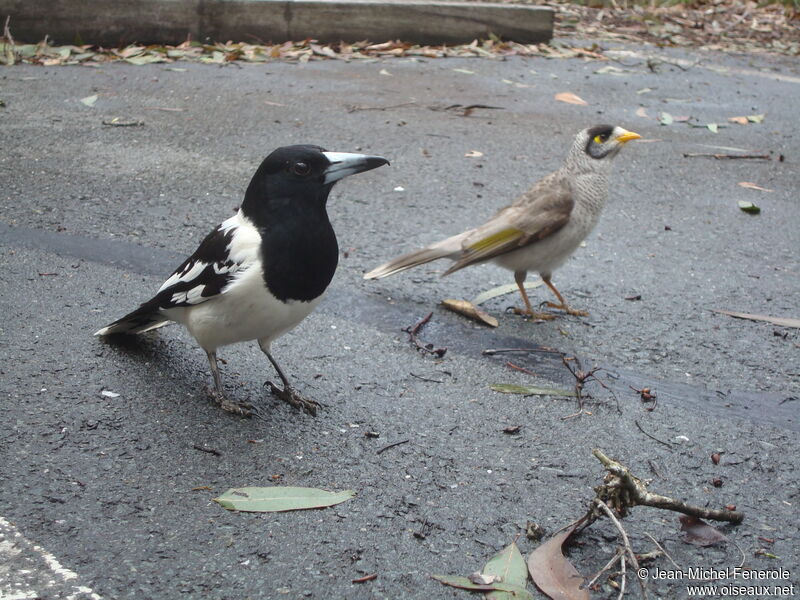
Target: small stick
column 728, row 156
column 208, row 450
column 667, row 444
column 353, row 107
column 518, row 368
column 365, row 578
column 608, row 566
column 634, row 563
column 426, row 378
column 493, row 351
column 413, row 332
column 639, row 495
column 392, row 446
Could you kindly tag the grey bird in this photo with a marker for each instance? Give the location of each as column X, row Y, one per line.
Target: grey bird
column 542, row 228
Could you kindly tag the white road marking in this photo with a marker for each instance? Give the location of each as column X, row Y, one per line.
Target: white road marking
column 29, row 571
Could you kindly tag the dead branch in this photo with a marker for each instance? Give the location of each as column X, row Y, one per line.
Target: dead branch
column 622, row 490
column 413, row 332
column 634, row 563
column 727, row 156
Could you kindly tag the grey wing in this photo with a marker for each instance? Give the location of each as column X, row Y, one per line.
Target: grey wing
column 535, row 215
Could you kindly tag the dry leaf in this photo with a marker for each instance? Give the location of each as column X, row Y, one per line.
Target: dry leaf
column 553, row 574
column 474, row 154
column 752, row 186
column 385, row 72
column 571, row 98
column 739, row 120
column 470, row 311
column 779, row 321
column 700, row 533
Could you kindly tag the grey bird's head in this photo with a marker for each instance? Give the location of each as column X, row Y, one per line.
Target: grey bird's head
column 594, row 147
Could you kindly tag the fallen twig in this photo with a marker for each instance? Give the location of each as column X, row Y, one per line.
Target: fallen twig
column 634, row 563
column 623, row 490
column 619, row 554
column 392, row 446
column 207, row 450
column 365, row 578
column 728, row 156
column 351, row 108
column 413, row 332
column 652, row 437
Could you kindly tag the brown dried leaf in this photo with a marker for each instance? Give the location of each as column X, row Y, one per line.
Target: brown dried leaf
column 571, row 98
column 470, row 311
column 700, row 533
column 739, row 120
column 752, row 186
column 552, row 573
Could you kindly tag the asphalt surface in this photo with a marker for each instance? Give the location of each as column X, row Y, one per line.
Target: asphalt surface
column 95, row 217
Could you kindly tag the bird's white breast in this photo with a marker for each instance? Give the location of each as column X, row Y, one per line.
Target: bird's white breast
column 246, row 311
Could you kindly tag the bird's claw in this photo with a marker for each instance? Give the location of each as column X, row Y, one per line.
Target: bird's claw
column 543, row 316
column 244, row 409
column 293, row 397
column 566, row 309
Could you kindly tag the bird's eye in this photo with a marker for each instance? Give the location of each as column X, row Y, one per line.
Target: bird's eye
column 601, row 139
column 301, row 168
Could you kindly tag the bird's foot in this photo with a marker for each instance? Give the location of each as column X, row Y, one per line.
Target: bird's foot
column 567, row 309
column 244, row 409
column 293, row 397
column 541, row 316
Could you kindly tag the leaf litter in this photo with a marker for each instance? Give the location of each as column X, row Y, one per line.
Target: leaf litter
column 293, row 51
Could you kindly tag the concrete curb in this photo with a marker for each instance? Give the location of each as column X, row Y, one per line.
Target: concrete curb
column 115, row 23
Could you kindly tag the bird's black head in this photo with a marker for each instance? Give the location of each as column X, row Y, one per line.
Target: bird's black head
column 302, row 173
column 606, row 140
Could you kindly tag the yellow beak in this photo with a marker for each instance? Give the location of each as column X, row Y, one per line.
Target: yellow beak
column 627, row 136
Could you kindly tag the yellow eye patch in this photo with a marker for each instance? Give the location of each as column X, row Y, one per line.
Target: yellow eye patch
column 598, row 139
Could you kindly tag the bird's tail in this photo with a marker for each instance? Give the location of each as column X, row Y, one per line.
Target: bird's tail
column 449, row 248
column 146, row 317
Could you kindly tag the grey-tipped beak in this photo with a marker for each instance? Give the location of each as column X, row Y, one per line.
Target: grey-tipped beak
column 344, row 164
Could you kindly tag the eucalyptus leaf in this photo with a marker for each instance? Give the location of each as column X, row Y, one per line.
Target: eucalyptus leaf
column 510, row 566
column 665, row 118
column 530, row 390
column 513, row 591
column 713, row 127
column 502, row 290
column 89, row 100
column 749, row 207
column 276, row 499
column 755, row 118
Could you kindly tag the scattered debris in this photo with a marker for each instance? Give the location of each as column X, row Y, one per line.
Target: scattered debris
column 413, row 333
column 89, row 100
column 365, row 578
column 699, row 532
column 752, row 186
column 473, row 154
column 109, row 394
column 779, row 321
column 530, row 390
column 207, row 450
column 571, row 98
column 278, row 499
column 552, row 573
column 721, row 156
column 502, row 290
column 117, row 122
column 385, row 448
column 469, row 310
column 512, row 429
column 621, row 490
column 749, row 207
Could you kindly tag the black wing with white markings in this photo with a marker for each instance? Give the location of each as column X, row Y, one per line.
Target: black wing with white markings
column 203, row 275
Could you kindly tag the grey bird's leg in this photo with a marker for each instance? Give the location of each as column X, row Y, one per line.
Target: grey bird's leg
column 519, row 277
column 219, row 396
column 288, row 393
column 563, row 303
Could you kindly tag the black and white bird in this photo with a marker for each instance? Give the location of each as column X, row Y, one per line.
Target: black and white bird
column 261, row 272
